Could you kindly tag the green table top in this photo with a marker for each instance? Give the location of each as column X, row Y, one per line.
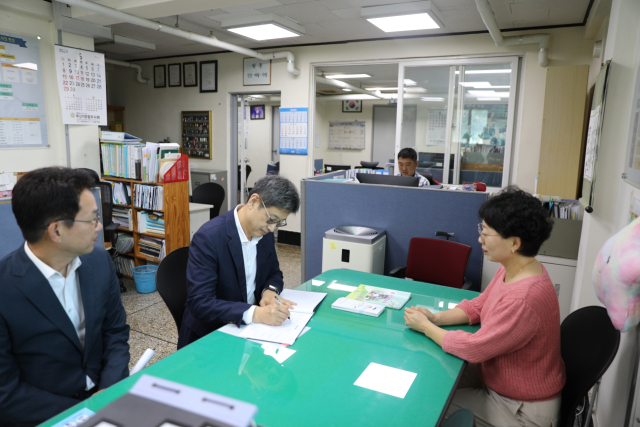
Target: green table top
column 315, row 386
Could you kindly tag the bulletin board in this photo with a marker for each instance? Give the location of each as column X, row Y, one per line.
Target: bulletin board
column 23, row 122
column 632, row 161
column 347, row 135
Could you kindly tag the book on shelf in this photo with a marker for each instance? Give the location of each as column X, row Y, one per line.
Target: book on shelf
column 150, row 222
column 108, row 136
column 124, row 265
column 124, row 243
column 152, row 247
column 121, row 160
column 148, row 197
column 120, row 193
column 359, row 307
column 122, row 216
column 387, row 297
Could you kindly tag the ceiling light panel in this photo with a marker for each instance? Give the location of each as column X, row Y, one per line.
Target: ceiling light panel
column 420, row 15
column 409, row 82
column 263, row 27
column 348, row 76
column 430, row 98
column 489, row 99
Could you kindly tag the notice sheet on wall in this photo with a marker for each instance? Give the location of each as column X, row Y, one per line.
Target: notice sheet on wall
column 347, row 135
column 294, row 130
column 23, row 122
column 81, row 83
column 436, row 127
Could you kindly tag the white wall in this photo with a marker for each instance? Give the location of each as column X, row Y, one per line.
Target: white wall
column 154, row 113
column 612, row 195
column 83, row 139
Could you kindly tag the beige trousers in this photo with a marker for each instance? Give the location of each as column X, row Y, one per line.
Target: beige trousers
column 494, row 410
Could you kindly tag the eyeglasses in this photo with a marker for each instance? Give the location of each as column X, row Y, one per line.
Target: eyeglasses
column 95, row 222
column 482, row 235
column 271, row 221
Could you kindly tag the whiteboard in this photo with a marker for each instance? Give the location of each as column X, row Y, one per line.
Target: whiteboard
column 347, row 135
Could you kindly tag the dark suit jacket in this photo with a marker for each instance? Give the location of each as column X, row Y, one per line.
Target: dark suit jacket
column 216, row 283
column 42, row 364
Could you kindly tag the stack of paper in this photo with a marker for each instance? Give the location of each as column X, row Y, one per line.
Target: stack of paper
column 7, row 182
column 306, row 301
column 359, row 307
column 382, row 296
column 122, row 216
column 287, row 333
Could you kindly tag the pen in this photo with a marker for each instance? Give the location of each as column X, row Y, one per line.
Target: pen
column 279, row 303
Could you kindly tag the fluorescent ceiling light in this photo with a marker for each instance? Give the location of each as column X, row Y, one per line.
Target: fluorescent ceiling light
column 482, row 85
column 427, row 98
column 488, row 99
column 419, row 15
column 489, row 93
column 263, row 27
column 29, row 65
column 348, row 76
column 409, row 82
column 504, row 71
column 380, row 88
column 415, row 90
column 346, row 90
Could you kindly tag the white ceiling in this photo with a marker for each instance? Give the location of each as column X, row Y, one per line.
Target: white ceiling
column 325, row 21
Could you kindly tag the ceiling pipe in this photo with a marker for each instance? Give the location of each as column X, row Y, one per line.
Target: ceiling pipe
column 489, row 20
column 208, row 40
column 344, row 85
column 137, row 67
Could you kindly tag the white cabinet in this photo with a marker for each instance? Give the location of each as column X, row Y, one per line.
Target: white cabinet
column 562, row 272
column 198, row 215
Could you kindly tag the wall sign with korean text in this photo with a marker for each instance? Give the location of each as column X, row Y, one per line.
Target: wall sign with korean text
column 23, row 122
column 257, row 72
column 81, row 83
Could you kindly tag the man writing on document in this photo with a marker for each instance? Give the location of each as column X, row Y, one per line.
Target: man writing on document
column 233, row 264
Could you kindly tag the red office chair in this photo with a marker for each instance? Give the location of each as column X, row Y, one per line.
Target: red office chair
column 440, row 262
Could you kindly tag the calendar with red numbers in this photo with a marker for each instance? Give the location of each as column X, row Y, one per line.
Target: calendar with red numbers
column 82, row 86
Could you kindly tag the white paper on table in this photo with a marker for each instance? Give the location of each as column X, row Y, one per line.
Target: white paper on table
column 387, row 380
column 232, row 329
column 306, row 301
column 317, row 282
column 339, row 287
column 277, row 352
column 284, row 334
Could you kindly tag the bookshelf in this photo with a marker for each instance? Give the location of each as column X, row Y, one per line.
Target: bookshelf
column 176, row 217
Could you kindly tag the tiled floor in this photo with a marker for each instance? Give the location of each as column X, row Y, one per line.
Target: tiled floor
column 152, row 325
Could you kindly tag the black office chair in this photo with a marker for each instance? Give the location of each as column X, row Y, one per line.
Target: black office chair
column 171, row 282
column 209, row 193
column 588, row 343
column 461, row 418
column 247, row 172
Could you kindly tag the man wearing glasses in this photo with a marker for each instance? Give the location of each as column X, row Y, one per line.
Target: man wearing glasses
column 233, row 275
column 63, row 335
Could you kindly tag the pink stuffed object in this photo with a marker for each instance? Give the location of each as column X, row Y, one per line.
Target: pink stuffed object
column 616, row 276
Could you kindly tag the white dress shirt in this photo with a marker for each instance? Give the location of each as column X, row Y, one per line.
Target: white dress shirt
column 67, row 290
column 249, row 254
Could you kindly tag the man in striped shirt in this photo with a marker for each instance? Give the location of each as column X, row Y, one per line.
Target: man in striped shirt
column 407, row 163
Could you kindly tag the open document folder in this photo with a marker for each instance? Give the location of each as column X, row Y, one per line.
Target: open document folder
column 287, row 333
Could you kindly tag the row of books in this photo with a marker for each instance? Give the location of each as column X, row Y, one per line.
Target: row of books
column 150, row 222
column 124, row 265
column 152, row 247
column 123, row 217
column 124, row 244
column 564, row 209
column 122, row 160
column 120, row 192
column 148, row 197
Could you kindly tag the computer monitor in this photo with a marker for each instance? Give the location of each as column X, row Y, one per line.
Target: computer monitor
column 333, row 168
column 400, row 181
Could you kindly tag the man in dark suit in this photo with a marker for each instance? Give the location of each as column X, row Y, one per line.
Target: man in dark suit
column 63, row 335
column 233, row 264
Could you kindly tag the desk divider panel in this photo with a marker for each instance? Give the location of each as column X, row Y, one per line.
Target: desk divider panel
column 402, row 212
column 10, row 234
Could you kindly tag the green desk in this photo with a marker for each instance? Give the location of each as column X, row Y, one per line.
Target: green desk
column 314, row 387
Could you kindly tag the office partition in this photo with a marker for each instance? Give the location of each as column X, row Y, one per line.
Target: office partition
column 403, row 212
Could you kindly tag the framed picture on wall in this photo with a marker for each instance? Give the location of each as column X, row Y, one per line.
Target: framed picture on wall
column 352, row 106
column 256, row 72
column 208, row 76
column 257, row 112
column 159, row 73
column 190, row 72
column 175, row 75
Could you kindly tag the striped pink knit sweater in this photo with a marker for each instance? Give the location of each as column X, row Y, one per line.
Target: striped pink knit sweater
column 518, row 343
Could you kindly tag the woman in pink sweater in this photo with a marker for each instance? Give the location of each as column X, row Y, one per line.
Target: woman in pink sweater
column 515, row 373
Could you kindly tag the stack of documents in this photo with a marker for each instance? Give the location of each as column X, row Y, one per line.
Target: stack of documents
column 124, row 244
column 122, row 216
column 148, row 197
column 359, row 307
column 121, row 193
column 152, row 247
column 124, row 265
column 150, row 223
column 387, row 297
column 7, row 182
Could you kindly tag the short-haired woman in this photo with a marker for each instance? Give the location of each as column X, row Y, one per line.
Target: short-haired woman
column 516, row 374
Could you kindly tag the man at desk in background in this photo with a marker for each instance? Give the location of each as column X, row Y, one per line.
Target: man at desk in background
column 407, row 164
column 233, row 264
column 63, row 335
